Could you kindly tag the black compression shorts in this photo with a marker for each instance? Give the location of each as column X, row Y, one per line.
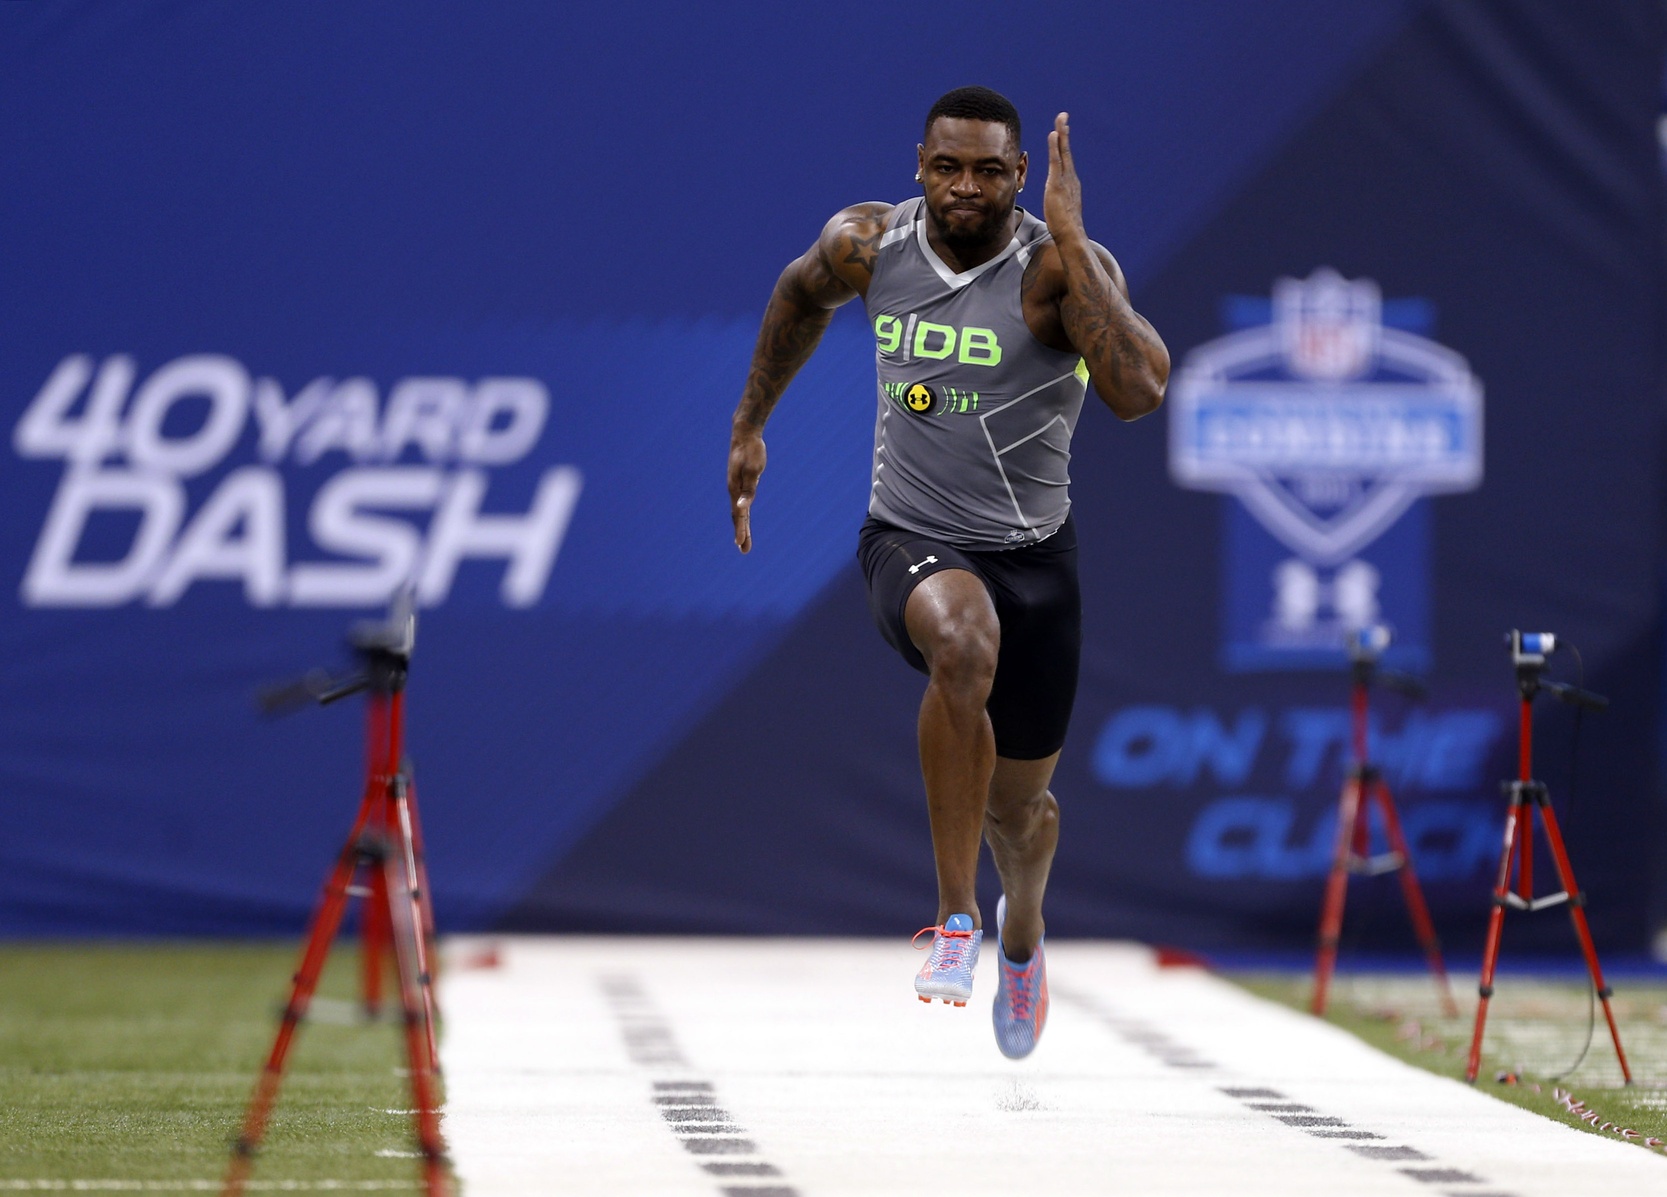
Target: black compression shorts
column 1037, row 602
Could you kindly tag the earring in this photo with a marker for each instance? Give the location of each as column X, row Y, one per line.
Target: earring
column 917, row 176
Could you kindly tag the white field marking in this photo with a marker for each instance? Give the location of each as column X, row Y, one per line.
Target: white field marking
column 847, row 1086
column 204, row 1186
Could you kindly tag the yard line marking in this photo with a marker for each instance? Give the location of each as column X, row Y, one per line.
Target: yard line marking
column 1442, row 1176
column 1312, row 1122
column 1175, row 1054
column 1158, row 1044
column 689, row 1107
column 1386, row 1153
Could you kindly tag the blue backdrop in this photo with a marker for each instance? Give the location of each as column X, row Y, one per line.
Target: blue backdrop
column 298, row 300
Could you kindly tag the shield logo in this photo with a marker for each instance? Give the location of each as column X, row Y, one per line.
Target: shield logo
column 1327, row 325
column 1324, row 423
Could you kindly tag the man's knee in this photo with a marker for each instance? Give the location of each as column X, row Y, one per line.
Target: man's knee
column 952, row 622
column 963, row 654
column 1017, row 820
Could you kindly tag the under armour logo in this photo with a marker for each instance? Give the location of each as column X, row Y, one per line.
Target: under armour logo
column 1300, row 593
column 915, row 569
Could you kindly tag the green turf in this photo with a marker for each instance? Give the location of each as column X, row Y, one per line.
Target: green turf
column 1535, row 1031
column 136, row 1062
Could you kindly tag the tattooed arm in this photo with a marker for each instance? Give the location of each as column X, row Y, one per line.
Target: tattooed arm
column 1127, row 361
column 833, row 271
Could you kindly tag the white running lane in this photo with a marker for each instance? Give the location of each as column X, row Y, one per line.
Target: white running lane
column 772, row 1068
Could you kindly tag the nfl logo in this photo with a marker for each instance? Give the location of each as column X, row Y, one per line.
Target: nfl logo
column 1327, row 325
column 1328, row 427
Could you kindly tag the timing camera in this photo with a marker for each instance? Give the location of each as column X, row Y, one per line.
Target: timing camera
column 1369, row 643
column 1530, row 648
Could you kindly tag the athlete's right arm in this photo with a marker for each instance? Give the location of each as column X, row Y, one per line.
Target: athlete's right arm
column 834, row 271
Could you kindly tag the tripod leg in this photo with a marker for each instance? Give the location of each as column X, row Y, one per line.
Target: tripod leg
column 1490, row 952
column 1422, row 925
column 326, row 922
column 373, row 946
column 415, row 889
column 425, row 898
column 1577, row 915
column 405, row 922
column 1337, row 882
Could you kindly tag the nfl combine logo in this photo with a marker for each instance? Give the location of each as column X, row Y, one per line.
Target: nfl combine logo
column 1328, row 417
column 1327, row 327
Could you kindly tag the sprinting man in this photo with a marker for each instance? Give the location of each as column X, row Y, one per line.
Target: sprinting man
column 990, row 325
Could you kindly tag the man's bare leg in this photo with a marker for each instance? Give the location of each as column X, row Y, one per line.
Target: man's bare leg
column 1021, row 824
column 951, row 620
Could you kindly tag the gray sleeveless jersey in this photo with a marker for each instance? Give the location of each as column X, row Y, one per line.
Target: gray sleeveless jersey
column 973, row 439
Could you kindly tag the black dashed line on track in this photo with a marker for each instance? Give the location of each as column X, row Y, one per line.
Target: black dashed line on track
column 1162, row 1047
column 1345, row 1134
column 1442, row 1176
column 1307, row 1120
column 1272, row 1102
column 719, row 1146
column 1398, row 1152
column 690, row 1108
column 1322, row 1126
column 710, row 1115
column 1149, row 1039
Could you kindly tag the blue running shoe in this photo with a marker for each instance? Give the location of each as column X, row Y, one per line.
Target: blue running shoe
column 947, row 973
column 1021, row 1009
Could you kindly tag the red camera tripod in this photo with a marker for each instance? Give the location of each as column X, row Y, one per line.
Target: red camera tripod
column 1362, row 787
column 1528, row 653
column 382, row 861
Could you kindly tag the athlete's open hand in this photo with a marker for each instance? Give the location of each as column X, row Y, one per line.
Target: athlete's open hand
column 746, row 463
column 1062, row 196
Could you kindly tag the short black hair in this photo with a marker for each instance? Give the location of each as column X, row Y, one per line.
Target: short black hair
column 976, row 104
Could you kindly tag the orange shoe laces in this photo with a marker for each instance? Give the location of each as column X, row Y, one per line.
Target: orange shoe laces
column 1023, row 985
column 951, row 951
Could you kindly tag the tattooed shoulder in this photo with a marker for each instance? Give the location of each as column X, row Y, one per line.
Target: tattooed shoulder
column 1043, row 275
column 863, row 251
column 860, row 231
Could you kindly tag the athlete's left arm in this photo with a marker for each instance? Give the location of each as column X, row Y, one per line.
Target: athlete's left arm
column 1127, row 361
